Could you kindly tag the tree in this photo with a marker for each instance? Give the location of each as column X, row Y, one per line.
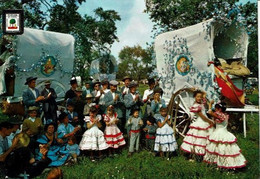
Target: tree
column 135, row 62
column 94, row 35
column 170, row 15
column 12, row 21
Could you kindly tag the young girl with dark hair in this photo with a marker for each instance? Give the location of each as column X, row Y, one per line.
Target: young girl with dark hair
column 221, row 148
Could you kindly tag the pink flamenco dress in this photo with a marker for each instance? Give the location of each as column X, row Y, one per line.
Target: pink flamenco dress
column 221, row 148
column 93, row 138
column 113, row 136
column 196, row 139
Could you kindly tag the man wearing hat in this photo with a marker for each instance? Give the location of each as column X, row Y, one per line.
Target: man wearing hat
column 114, row 98
column 125, row 89
column 86, row 89
column 79, row 102
column 31, row 95
column 71, row 92
column 133, row 100
column 16, row 122
column 49, row 106
column 96, row 93
column 5, row 130
column 104, row 89
column 148, row 96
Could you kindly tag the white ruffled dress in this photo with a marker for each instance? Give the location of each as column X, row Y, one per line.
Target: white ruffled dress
column 221, row 146
column 113, row 136
column 196, row 139
column 164, row 140
column 93, row 138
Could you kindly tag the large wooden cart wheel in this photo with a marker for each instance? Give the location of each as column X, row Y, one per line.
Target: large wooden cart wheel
column 179, row 109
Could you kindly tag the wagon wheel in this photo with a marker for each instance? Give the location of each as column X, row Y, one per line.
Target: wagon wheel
column 179, row 106
column 58, row 87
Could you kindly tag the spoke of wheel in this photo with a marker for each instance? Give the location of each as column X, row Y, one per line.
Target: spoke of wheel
column 181, row 122
column 185, row 127
column 185, row 108
column 175, row 116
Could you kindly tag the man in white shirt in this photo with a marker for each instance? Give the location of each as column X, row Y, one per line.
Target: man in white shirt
column 148, row 96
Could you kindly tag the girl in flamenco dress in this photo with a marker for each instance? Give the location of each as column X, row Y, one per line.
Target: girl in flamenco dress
column 221, row 148
column 196, row 138
column 93, row 139
column 114, row 137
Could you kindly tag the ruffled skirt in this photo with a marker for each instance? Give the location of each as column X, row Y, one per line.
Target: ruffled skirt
column 165, row 140
column 223, row 151
column 93, row 139
column 114, row 137
column 196, row 139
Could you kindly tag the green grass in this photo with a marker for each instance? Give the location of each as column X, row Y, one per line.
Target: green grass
column 144, row 165
column 253, row 98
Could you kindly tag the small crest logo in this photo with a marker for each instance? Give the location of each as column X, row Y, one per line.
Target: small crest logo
column 48, row 67
column 13, row 22
column 183, row 65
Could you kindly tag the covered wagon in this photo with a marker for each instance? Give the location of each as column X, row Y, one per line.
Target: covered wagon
column 43, row 54
column 183, row 57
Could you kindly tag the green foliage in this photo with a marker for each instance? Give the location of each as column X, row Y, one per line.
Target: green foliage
column 94, row 35
column 135, row 62
column 12, row 21
column 250, row 11
column 253, row 98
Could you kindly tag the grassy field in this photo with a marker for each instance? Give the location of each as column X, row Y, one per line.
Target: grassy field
column 145, row 165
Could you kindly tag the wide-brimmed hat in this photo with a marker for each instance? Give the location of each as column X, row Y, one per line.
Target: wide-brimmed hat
column 15, row 120
column 158, row 90
column 88, row 82
column 23, row 140
column 113, row 83
column 105, row 81
column 78, row 89
column 95, row 81
column 89, row 96
column 73, row 80
column 151, row 81
column 29, row 79
column 47, row 82
column 33, row 108
column 62, row 116
column 127, row 77
column 132, row 84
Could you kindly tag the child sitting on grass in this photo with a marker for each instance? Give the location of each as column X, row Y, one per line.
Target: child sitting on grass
column 73, row 148
column 134, row 123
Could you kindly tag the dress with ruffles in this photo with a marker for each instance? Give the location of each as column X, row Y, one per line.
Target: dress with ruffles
column 196, row 139
column 221, row 146
column 93, row 138
column 164, row 140
column 113, row 136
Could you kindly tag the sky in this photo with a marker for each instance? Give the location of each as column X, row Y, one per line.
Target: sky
column 135, row 26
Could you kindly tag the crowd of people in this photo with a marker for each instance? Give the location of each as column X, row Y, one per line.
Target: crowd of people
column 98, row 120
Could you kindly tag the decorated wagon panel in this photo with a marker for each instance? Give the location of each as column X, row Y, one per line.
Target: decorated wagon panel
column 46, row 55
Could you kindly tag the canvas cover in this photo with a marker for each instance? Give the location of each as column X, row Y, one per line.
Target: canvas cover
column 182, row 55
column 43, row 54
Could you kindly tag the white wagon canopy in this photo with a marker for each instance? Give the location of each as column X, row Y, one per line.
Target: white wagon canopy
column 43, row 54
column 182, row 55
